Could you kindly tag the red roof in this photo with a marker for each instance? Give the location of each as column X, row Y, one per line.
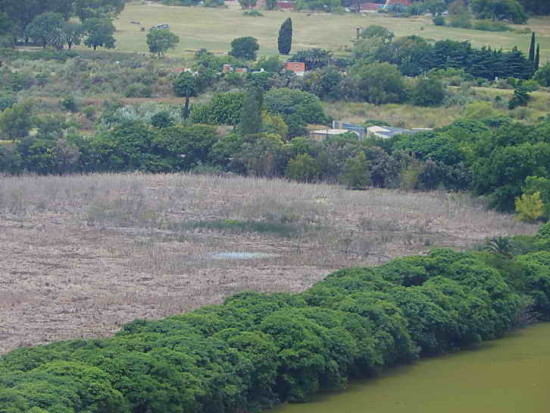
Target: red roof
column 371, row 6
column 285, row 5
column 295, row 66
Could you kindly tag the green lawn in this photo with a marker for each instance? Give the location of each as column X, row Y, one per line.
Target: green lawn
column 214, row 29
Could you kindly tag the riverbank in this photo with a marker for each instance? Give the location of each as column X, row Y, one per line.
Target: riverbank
column 505, row 376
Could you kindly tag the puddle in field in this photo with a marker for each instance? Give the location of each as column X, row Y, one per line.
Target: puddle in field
column 240, row 255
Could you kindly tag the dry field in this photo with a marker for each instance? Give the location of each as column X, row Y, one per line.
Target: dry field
column 82, row 255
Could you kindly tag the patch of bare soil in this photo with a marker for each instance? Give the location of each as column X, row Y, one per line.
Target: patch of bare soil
column 83, row 255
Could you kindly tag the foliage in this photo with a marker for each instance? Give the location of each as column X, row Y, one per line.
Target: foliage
column 356, row 173
column 428, row 92
column 244, row 48
column 99, row 32
column 252, row 13
column 248, row 4
column 439, row 21
column 303, row 168
column 251, row 112
column 16, row 121
column 160, row 41
column 271, row 4
column 499, row 10
column 72, row 33
column 313, row 58
column 284, row 40
column 185, row 85
column 543, row 75
column 521, row 97
column 223, row 109
column 86, row 9
column 44, row 26
column 536, row 6
column 296, row 107
column 529, row 207
column 540, row 185
column 321, row 5
column 380, row 83
column 459, row 15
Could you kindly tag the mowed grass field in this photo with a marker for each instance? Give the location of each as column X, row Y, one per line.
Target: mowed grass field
column 214, row 29
column 89, row 253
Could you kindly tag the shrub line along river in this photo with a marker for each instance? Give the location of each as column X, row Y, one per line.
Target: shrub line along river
column 510, row 375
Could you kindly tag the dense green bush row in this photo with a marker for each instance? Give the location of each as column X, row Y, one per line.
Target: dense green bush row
column 257, row 350
column 496, row 158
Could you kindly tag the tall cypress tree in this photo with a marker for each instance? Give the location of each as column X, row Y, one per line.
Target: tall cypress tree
column 532, row 48
column 251, row 114
column 285, row 37
column 537, row 58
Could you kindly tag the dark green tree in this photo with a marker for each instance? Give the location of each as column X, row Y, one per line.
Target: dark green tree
column 540, row 7
column 251, row 113
column 160, row 41
column 536, row 62
column 73, row 33
column 313, row 58
column 356, row 172
column 532, row 47
column 499, row 10
column 428, row 92
column 86, row 9
column 17, row 121
column 244, row 48
column 186, row 86
column 285, row 37
column 521, row 97
column 162, row 120
column 6, row 30
column 270, row 4
column 248, row 4
column 43, row 26
column 380, row 83
column 543, row 75
column 99, row 33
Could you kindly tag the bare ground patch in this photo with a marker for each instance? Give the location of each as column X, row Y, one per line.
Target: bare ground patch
column 83, row 255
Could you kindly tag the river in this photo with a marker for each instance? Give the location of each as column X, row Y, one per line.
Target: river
column 509, row 375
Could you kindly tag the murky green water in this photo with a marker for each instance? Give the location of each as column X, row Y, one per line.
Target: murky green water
column 511, row 375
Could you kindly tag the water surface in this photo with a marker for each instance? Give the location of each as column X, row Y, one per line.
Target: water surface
column 510, row 375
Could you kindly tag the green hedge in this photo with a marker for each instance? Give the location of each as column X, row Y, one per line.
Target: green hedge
column 257, row 350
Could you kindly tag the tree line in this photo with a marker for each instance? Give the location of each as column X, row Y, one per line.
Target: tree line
column 49, row 22
column 257, row 350
column 497, row 158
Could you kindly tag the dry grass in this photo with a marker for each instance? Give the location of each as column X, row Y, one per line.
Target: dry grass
column 85, row 254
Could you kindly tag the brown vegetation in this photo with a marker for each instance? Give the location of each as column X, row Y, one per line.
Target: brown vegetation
column 84, row 254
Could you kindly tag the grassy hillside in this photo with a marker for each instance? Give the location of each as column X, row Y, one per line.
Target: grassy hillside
column 214, row 29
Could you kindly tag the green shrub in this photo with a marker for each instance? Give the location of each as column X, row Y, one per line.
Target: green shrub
column 439, row 21
column 138, row 90
column 70, row 104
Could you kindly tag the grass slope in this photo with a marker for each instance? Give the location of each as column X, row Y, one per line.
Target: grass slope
column 214, row 29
